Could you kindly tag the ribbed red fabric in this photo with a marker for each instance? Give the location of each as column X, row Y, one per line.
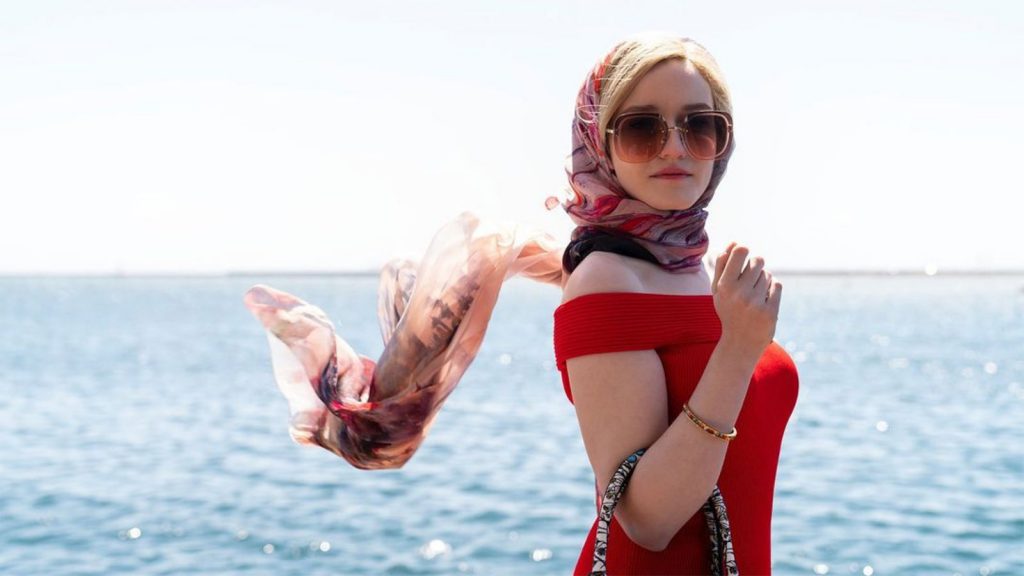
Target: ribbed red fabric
column 684, row 330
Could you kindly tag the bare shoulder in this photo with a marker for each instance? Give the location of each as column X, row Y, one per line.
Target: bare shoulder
column 609, row 272
column 602, row 272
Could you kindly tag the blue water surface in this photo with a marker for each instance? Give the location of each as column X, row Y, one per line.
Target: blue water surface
column 142, row 433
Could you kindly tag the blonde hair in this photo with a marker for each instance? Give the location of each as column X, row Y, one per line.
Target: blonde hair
column 633, row 58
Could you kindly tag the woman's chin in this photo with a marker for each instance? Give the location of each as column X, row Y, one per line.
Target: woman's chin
column 680, row 203
column 679, row 196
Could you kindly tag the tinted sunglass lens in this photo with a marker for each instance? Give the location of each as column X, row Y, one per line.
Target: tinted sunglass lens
column 639, row 138
column 707, row 135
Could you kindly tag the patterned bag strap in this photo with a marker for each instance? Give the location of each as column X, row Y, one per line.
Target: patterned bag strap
column 714, row 515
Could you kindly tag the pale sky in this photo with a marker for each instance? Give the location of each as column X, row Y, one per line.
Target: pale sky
column 213, row 136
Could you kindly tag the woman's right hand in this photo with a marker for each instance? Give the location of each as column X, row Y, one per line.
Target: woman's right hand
column 746, row 299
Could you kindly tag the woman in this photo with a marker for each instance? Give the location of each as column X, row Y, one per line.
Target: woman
column 643, row 334
column 655, row 353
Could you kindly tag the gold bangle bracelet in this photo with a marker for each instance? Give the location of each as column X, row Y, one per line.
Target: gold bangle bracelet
column 707, row 427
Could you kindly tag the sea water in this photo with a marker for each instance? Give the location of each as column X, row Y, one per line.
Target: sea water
column 142, row 433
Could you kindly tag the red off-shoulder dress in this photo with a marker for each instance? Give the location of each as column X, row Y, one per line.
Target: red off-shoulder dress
column 683, row 330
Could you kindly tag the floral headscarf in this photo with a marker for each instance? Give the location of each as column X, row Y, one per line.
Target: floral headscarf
column 599, row 203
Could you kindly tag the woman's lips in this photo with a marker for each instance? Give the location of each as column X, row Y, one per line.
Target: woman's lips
column 671, row 173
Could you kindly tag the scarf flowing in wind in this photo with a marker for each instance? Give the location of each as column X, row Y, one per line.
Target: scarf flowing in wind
column 432, row 318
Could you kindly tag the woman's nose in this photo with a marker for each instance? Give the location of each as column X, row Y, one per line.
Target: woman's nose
column 674, row 147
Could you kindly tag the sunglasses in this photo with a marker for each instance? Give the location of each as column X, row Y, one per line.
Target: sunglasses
column 641, row 136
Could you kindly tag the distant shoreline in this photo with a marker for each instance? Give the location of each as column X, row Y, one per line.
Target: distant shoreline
column 376, row 273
